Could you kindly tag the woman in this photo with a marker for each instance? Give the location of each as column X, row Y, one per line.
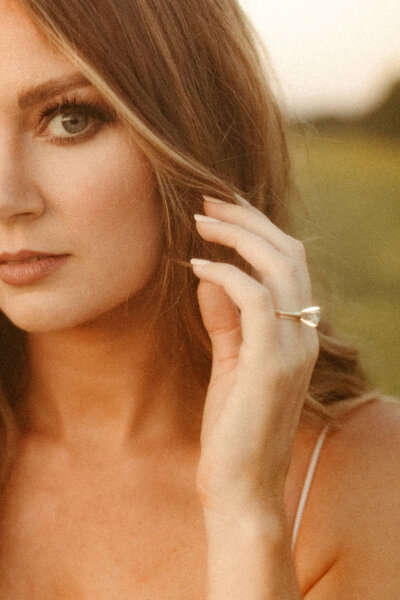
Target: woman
column 162, row 419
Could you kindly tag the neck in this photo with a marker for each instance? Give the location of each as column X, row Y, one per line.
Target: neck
column 105, row 387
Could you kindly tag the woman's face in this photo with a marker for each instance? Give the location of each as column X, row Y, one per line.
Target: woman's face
column 71, row 185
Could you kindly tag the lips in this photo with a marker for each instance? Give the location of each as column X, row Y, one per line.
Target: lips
column 23, row 256
column 16, row 262
column 28, row 267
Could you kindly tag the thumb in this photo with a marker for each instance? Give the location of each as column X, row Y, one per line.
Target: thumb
column 221, row 319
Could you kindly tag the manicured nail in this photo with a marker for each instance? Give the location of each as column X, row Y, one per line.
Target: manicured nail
column 240, row 199
column 215, row 200
column 206, row 219
column 200, row 261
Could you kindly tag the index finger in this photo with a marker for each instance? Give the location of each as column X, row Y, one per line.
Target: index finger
column 253, row 220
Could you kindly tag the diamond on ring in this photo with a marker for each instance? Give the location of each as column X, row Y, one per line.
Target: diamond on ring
column 309, row 316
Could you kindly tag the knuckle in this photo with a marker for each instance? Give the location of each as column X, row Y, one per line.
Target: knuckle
column 290, row 267
column 239, row 244
column 261, row 298
column 299, row 249
column 296, row 246
column 296, row 249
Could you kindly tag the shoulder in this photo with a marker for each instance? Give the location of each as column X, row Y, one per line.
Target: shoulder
column 363, row 464
column 367, row 438
column 352, row 523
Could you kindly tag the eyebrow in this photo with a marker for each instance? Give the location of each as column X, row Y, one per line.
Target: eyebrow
column 35, row 95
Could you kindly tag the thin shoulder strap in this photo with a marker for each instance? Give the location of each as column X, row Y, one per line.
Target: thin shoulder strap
column 307, row 484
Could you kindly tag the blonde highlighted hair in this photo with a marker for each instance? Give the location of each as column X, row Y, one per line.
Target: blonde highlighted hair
column 187, row 80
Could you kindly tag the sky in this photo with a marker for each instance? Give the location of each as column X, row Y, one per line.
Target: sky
column 330, row 56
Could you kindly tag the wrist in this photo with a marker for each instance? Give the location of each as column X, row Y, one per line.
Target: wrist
column 249, row 556
column 257, row 522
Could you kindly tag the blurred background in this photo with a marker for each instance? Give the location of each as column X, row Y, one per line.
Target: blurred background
column 337, row 77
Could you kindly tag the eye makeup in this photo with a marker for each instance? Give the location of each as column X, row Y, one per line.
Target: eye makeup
column 96, row 114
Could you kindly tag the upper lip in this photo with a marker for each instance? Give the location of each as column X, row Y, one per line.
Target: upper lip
column 23, row 255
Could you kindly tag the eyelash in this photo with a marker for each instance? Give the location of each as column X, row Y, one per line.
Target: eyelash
column 89, row 108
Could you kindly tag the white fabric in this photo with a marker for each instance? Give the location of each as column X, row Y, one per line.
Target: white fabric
column 307, row 484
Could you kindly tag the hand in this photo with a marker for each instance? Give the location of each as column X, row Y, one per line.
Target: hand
column 262, row 364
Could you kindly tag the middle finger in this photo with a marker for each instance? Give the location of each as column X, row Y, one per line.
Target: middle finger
column 285, row 276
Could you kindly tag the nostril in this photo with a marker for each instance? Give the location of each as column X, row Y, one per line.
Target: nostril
column 12, row 210
column 19, row 197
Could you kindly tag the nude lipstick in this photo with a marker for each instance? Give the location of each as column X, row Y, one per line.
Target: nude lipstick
column 28, row 266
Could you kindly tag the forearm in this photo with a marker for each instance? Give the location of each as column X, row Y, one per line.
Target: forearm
column 249, row 558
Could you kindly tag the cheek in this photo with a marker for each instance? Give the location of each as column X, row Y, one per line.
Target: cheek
column 110, row 222
column 103, row 203
column 115, row 209
column 104, row 195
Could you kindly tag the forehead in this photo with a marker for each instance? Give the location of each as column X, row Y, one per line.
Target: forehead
column 25, row 54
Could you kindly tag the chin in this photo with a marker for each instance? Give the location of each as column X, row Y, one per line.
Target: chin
column 42, row 313
column 37, row 320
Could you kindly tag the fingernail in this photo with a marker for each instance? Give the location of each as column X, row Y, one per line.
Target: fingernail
column 215, row 200
column 240, row 199
column 206, row 219
column 200, row 261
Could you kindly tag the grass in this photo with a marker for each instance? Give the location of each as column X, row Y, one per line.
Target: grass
column 350, row 188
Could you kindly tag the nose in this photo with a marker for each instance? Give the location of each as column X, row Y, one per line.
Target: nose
column 19, row 198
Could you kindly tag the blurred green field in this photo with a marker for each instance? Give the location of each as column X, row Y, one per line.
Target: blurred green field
column 350, row 187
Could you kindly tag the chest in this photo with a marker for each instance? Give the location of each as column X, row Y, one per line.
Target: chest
column 109, row 535
column 127, row 541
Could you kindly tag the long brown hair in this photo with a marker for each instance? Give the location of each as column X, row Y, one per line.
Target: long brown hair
column 188, row 81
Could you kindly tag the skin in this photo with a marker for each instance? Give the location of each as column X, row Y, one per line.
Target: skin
column 131, row 493
column 95, row 201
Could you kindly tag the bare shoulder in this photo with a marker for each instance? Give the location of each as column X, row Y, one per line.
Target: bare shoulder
column 369, row 439
column 350, row 543
column 363, row 458
column 376, row 418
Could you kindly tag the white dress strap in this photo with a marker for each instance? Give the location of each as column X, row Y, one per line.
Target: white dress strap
column 307, row 484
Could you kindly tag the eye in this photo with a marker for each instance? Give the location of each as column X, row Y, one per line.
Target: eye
column 70, row 120
column 73, row 122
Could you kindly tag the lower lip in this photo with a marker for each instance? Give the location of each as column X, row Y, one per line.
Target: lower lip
column 25, row 273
